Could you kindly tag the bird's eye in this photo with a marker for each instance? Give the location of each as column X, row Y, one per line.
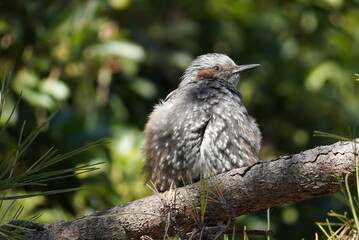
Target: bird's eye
column 217, row 68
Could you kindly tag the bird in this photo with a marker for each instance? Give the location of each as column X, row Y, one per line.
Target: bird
column 202, row 128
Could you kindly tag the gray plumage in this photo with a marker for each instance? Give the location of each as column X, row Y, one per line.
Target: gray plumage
column 202, row 127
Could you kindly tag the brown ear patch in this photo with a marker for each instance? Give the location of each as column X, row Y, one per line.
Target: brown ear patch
column 204, row 74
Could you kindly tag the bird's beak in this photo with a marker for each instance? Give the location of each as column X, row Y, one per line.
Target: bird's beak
column 244, row 68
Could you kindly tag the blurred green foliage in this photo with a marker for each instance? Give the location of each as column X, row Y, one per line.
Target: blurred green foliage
column 106, row 62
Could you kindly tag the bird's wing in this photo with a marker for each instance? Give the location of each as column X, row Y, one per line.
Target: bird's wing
column 171, row 95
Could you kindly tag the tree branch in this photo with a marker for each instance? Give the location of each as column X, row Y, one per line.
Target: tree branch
column 287, row 179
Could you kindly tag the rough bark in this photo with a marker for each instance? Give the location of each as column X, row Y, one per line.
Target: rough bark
column 287, row 179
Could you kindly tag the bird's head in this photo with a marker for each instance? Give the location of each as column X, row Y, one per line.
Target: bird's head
column 214, row 67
